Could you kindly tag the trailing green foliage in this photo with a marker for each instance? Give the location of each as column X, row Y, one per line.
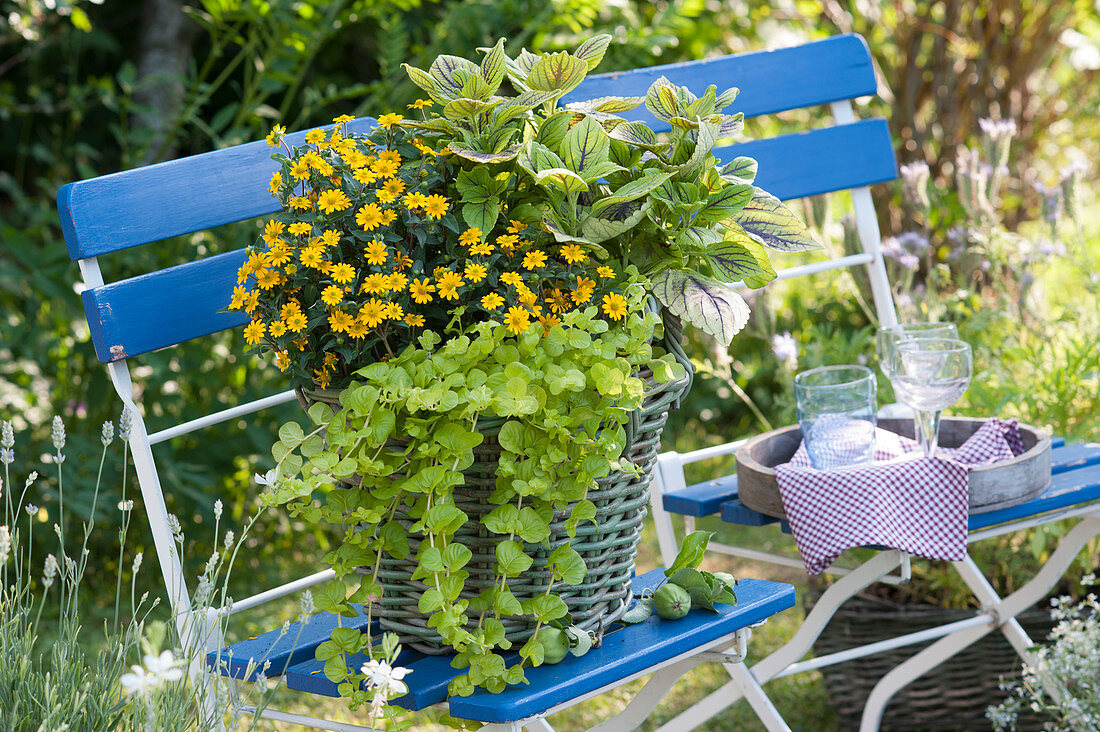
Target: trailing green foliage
column 555, row 399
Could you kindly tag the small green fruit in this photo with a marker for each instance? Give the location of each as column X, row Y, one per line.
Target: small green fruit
column 671, row 601
column 555, row 644
column 727, row 579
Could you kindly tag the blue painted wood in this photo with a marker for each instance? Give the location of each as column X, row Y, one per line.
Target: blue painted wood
column 1068, row 488
column 701, row 499
column 821, row 160
column 278, row 649
column 1057, row 442
column 735, row 512
column 625, row 651
column 1071, row 457
column 159, row 201
column 159, row 309
column 770, row 81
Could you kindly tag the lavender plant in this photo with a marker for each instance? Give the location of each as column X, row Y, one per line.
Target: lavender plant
column 49, row 676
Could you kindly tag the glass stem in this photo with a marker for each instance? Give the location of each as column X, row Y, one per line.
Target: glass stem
column 927, row 424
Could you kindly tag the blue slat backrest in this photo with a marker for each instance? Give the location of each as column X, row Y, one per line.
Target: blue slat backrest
column 140, row 206
column 770, row 81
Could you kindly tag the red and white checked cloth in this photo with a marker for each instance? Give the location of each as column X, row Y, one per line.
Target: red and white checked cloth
column 916, row 504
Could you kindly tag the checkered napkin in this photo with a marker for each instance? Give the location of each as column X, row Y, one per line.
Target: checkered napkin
column 916, row 504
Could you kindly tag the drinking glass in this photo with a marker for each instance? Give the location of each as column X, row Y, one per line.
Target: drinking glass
column 930, row 374
column 836, row 410
column 888, row 336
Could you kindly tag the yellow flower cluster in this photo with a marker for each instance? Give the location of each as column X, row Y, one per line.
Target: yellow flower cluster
column 366, row 252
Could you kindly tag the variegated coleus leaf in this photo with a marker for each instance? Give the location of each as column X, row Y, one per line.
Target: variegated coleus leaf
column 770, row 222
column 493, row 67
column 615, row 221
column 592, row 50
column 737, row 257
column 508, row 153
column 585, row 145
column 557, row 71
column 712, row 306
column 661, row 100
column 637, row 134
column 630, row 191
column 739, row 170
column 450, row 73
column 609, row 105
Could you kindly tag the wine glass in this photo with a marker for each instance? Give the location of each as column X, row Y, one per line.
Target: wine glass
column 889, row 335
column 930, row 374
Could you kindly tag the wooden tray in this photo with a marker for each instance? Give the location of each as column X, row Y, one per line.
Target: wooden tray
column 996, row 486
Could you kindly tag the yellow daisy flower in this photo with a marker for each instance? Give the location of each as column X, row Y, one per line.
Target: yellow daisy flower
column 343, row 118
column 398, row 281
column 388, row 120
column 254, row 331
column 394, row 311
column 515, row 279
column 414, row 320
column 385, row 168
column 421, row 104
column 492, row 301
column 517, row 320
column 299, row 228
column 605, row 272
column 296, row 322
column 313, row 257
column 333, row 200
column 342, row 273
column 534, row 259
column 276, row 183
column 275, row 136
column 573, row 253
column 583, row 291
column 366, row 176
column 369, row 216
column 516, row 226
column 448, row 283
column 358, row 329
column 474, row 272
column 556, row 301
column 375, row 283
column 301, row 203
column 614, row 306
column 436, row 205
column 470, row 236
column 373, row 312
column 332, row 295
column 330, row 238
column 376, row 253
column 315, row 136
column 483, row 248
column 421, row 290
column 267, row 278
column 300, row 169
column 282, row 360
column 339, row 321
column 277, row 329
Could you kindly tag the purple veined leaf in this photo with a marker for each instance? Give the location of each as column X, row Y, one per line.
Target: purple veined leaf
column 726, row 98
column 606, row 104
column 477, row 156
column 723, row 203
column 465, row 108
column 557, row 71
column 561, row 178
column 444, row 69
column 637, row 134
column 492, row 66
column 592, row 50
column 737, row 257
column 741, row 168
column 616, row 221
column 585, row 145
column 660, row 99
column 770, row 222
column 712, row 306
column 731, row 125
column 705, row 137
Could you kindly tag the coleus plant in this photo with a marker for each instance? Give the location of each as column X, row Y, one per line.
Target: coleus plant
column 587, row 176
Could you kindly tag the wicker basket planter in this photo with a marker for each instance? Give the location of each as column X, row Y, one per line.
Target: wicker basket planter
column 953, row 696
column 608, row 547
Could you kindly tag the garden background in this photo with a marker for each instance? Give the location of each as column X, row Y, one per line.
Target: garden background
column 88, row 88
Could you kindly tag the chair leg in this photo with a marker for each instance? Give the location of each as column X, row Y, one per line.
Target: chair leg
column 662, row 519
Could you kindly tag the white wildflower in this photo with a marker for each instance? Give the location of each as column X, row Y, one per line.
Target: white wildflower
column 7, row 442
column 57, row 436
column 125, row 506
column 384, row 678
column 107, row 433
column 137, row 562
column 125, row 424
column 218, row 508
column 229, row 538
column 156, row 671
column 267, row 479
column 307, row 606
column 785, row 348
column 5, row 544
column 31, row 509
column 174, row 527
column 49, row 570
column 30, row 479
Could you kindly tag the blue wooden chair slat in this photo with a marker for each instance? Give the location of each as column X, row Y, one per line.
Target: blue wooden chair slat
column 822, row 160
column 813, row 73
column 626, row 650
column 159, row 201
column 701, row 499
column 174, row 305
column 280, row 650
